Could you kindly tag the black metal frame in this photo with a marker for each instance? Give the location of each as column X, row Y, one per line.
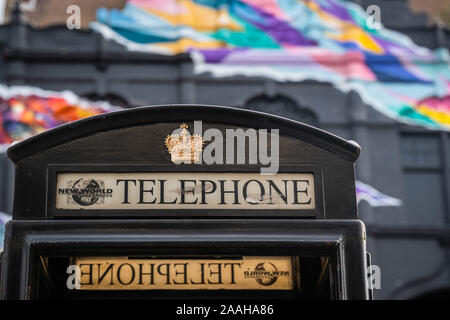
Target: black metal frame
column 40, row 231
column 183, row 113
column 66, row 145
column 344, row 240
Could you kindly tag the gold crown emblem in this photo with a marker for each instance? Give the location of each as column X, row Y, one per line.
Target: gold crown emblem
column 184, row 147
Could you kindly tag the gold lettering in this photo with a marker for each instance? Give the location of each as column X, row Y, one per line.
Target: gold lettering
column 242, row 273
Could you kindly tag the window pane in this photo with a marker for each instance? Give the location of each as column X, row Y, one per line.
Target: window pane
column 424, row 198
column 421, row 150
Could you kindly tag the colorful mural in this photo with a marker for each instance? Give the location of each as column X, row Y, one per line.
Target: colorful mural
column 26, row 111
column 375, row 198
column 293, row 40
column 4, row 218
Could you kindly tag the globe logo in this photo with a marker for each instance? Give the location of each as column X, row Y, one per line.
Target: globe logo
column 87, row 192
column 266, row 273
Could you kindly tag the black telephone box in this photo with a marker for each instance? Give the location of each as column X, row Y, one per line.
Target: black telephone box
column 184, row 201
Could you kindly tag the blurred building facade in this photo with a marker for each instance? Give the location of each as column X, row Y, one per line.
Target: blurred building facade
column 410, row 243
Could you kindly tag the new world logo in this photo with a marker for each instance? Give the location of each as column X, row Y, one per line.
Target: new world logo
column 266, row 273
column 86, row 192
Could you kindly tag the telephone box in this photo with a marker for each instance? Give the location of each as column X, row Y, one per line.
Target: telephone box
column 184, row 201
